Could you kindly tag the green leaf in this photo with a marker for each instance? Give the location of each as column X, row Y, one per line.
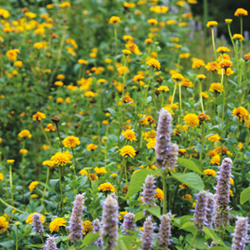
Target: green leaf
column 192, row 180
column 220, row 248
column 188, row 226
column 137, row 180
column 245, row 196
column 211, row 234
column 189, row 164
column 138, row 216
column 125, row 242
column 199, row 242
column 155, row 210
column 36, row 245
column 91, row 248
column 111, row 111
column 89, row 238
column 219, row 100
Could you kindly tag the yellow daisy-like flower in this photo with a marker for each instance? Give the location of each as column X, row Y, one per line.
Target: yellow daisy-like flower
column 114, row 20
column 83, row 172
column 212, row 66
column 214, row 138
column 127, row 151
column 91, row 147
column 154, row 63
column 56, row 224
column 38, row 116
column 201, row 77
column 225, row 64
column 61, row 158
column 216, row 86
column 129, row 134
column 163, row 88
column 159, row 194
column 241, row 12
column 82, row 61
column 210, row 172
column 153, row 21
column 191, row 120
column 188, row 196
column 241, row 113
column 121, row 215
column 25, row 134
column 183, row 186
column 151, row 143
column 87, row 227
column 198, row 63
column 212, row 24
column 228, row 21
column 106, row 187
column 34, row 196
column 48, row 163
column 32, row 185
column 71, row 142
column 30, row 221
column 100, row 171
column 1, row 176
column 204, row 95
column 50, row 127
column 215, row 160
column 10, row 161
column 186, row 83
column 223, row 50
column 238, row 37
column 3, row 224
column 114, row 175
column 148, row 41
column 126, row 52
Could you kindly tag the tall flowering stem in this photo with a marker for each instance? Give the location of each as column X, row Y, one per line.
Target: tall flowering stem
column 129, row 223
column 241, row 32
column 149, row 191
column 147, row 236
column 165, row 231
column 109, row 231
column 75, row 223
column 37, row 223
column 201, row 98
column 124, row 75
column 213, row 42
column 50, row 244
column 200, row 212
column 116, row 45
column 175, row 86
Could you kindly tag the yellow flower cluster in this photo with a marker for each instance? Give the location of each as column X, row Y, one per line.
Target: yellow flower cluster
column 106, row 187
column 61, row 158
column 71, row 142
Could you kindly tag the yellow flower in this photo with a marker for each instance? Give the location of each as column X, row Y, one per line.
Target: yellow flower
column 48, row 163
column 149, row 135
column 240, row 145
column 25, row 134
column 231, row 181
column 212, row 66
column 3, row 224
column 114, row 19
column 30, row 221
column 183, row 186
column 32, row 185
column 34, row 196
column 121, row 215
column 129, row 134
column 60, row 77
column 241, row 113
column 1, row 176
column 238, row 37
column 10, row 161
column 38, row 116
column 185, row 55
column 100, row 171
column 71, row 142
column 159, row 194
column 87, row 227
column 197, row 63
column 191, row 120
column 186, row 83
column 83, row 62
column 50, row 127
column 61, row 158
column 126, row 52
column 241, row 12
column 182, row 151
column 204, row 95
column 154, row 63
column 127, row 151
column 215, row 160
column 91, row 147
column 12, row 54
column 153, row 21
column 18, row 64
column 163, row 88
column 228, row 21
column 231, row 193
column 90, row 94
column 171, row 22
column 151, row 143
column 58, row 83
column 56, row 223
column 177, row 77
column 209, row 172
column 83, row 172
column 225, row 64
column 215, row 137
column 187, row 196
column 223, row 50
column 65, row 4
column 201, row 77
column 148, row 41
column 212, row 24
column 114, row 175
column 106, row 187
column 216, row 86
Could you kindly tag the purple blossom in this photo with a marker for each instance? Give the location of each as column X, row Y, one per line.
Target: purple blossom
column 37, row 223
column 222, row 193
column 97, row 229
column 50, row 243
column 165, row 231
column 128, row 223
column 211, row 210
column 149, row 191
column 200, row 212
column 240, row 236
column 75, row 224
column 109, row 231
column 147, row 235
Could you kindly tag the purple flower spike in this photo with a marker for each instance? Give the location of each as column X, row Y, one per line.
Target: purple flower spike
column 240, row 236
column 110, row 221
column 200, row 212
column 222, row 193
column 211, row 210
column 165, row 231
column 129, row 223
column 147, row 235
column 97, row 229
column 50, row 244
column 75, row 224
column 37, row 223
column 149, row 191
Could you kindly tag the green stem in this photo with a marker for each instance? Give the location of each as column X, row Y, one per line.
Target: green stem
column 106, row 145
column 205, row 18
column 47, row 139
column 11, row 186
column 192, row 242
column 230, row 34
column 224, row 103
column 46, row 184
column 16, row 238
column 164, row 184
column 241, row 32
column 175, row 86
column 202, row 107
column 124, row 76
column 146, row 91
column 60, row 182
column 115, row 33
column 180, row 102
column 213, row 42
column 58, row 132
column 202, row 143
column 8, row 205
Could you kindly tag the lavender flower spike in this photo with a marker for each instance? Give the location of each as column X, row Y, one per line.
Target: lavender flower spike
column 163, row 138
column 147, row 235
column 240, row 236
column 222, row 192
column 75, row 224
column 211, row 210
column 97, row 229
column 37, row 223
column 172, row 157
column 200, row 212
column 165, row 231
column 109, row 231
column 129, row 223
column 149, row 191
column 50, row 244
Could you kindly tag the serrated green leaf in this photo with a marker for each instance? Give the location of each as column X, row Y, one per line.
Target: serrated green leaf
column 89, row 238
column 188, row 226
column 245, row 196
column 154, row 210
column 189, row 164
column 138, row 216
column 211, row 234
